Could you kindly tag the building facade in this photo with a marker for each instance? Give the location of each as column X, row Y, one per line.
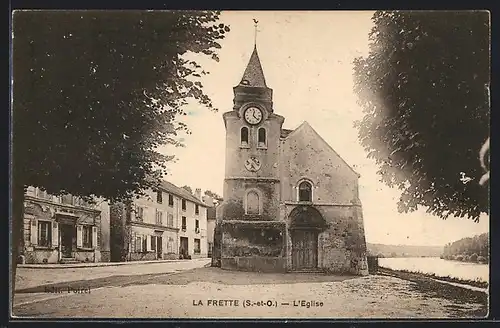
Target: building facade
column 211, row 215
column 64, row 229
column 167, row 223
column 290, row 201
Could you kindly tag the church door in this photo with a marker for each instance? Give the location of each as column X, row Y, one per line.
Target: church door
column 304, row 249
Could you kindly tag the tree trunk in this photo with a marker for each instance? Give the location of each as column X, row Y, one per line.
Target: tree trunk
column 17, row 231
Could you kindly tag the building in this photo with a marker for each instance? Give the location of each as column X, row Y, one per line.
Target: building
column 290, row 201
column 64, row 229
column 167, row 223
column 211, row 215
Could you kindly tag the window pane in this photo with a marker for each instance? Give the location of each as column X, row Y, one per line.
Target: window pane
column 305, row 192
column 262, row 136
column 244, row 135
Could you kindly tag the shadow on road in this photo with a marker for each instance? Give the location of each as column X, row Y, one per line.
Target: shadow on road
column 205, row 274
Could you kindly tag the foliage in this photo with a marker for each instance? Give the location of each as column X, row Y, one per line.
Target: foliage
column 188, row 189
column 214, row 195
column 96, row 92
column 424, row 89
column 468, row 249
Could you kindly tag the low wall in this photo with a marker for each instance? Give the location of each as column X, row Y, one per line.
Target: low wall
column 254, row 264
column 257, row 246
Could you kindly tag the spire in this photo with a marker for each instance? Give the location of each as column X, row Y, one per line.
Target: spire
column 254, row 75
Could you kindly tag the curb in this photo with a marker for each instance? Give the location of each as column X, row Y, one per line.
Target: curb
column 94, row 265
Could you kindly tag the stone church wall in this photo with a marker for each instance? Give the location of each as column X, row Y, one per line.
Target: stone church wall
column 234, row 204
column 253, row 246
column 342, row 246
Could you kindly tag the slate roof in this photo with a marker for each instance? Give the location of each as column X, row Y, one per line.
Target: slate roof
column 285, row 133
column 254, row 74
column 180, row 192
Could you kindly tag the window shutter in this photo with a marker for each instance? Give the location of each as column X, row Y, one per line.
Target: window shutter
column 139, row 245
column 34, row 232
column 148, row 243
column 94, row 237
column 79, row 236
column 55, row 234
column 136, row 212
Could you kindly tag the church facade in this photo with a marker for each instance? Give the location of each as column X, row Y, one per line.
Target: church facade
column 291, row 202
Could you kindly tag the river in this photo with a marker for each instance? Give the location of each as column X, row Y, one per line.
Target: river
column 440, row 267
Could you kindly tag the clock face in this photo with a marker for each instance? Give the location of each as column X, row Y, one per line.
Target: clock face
column 253, row 115
column 252, row 164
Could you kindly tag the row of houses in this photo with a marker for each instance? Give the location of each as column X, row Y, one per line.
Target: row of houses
column 166, row 223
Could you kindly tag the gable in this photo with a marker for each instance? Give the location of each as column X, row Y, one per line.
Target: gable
column 305, row 155
column 306, row 133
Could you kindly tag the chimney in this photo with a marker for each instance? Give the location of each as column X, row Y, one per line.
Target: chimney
column 197, row 193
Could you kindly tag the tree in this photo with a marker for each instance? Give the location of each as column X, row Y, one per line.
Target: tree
column 95, row 93
column 424, row 89
column 188, row 189
column 214, row 195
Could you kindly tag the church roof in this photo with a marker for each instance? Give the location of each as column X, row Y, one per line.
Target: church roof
column 306, row 125
column 285, row 132
column 254, row 75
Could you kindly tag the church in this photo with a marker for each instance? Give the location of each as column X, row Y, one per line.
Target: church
column 291, row 203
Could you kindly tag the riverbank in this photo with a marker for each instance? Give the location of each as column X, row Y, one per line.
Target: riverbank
column 438, row 287
column 473, row 283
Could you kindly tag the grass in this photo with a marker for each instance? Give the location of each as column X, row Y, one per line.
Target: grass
column 475, row 283
column 426, row 283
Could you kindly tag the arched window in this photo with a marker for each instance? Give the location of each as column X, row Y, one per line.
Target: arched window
column 253, row 203
column 244, row 136
column 305, row 192
column 262, row 138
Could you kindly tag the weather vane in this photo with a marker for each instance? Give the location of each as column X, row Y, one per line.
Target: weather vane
column 255, row 25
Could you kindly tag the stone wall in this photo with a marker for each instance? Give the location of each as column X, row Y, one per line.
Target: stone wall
column 234, row 204
column 253, row 246
column 342, row 245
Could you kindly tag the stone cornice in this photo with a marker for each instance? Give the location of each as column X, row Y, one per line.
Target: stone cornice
column 321, row 204
column 268, row 179
column 55, row 204
column 153, row 226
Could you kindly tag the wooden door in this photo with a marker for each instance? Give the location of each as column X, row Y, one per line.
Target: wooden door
column 67, row 233
column 159, row 248
column 304, row 249
column 184, row 250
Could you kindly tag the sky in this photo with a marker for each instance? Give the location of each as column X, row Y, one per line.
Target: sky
column 307, row 61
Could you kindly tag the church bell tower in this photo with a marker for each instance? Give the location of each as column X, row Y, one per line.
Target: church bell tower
column 251, row 185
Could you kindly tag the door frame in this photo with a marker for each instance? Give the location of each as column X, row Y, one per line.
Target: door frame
column 67, row 227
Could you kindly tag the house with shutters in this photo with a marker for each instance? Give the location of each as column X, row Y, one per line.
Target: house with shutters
column 64, row 229
column 166, row 223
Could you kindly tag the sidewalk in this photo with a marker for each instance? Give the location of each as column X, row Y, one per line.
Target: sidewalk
column 97, row 264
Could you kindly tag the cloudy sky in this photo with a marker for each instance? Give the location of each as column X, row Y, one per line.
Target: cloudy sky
column 307, row 61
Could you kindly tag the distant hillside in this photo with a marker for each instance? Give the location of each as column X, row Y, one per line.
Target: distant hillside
column 383, row 250
column 470, row 249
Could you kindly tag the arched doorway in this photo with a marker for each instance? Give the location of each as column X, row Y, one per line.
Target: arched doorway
column 306, row 222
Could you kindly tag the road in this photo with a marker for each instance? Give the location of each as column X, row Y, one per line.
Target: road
column 38, row 285
column 190, row 290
